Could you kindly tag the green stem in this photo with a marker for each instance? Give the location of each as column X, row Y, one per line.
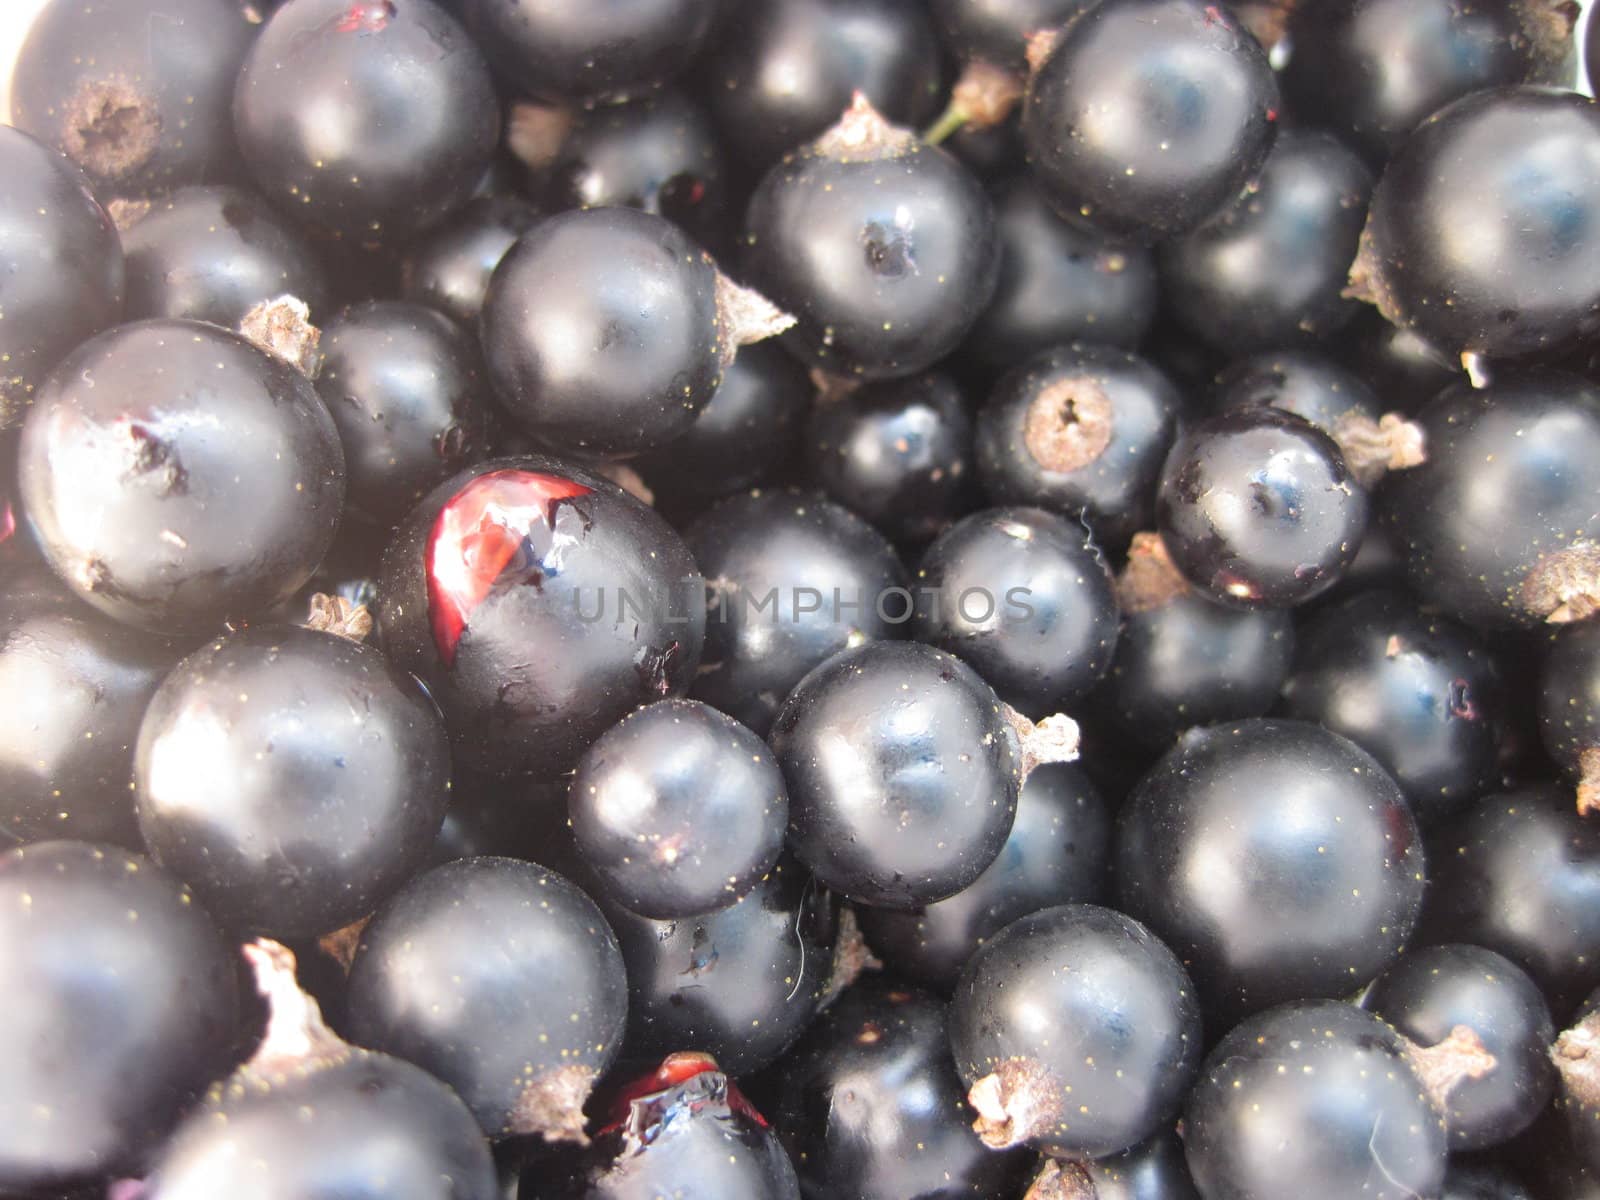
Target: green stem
column 953, row 118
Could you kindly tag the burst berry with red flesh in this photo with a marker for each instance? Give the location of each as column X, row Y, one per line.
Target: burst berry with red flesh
column 1077, row 1063
column 172, row 506
column 539, row 603
column 1185, row 159
column 503, row 980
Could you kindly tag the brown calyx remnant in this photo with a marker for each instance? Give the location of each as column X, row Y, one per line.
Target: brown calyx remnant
column 851, row 956
column 831, row 388
column 283, row 328
column 629, row 480
column 1589, row 781
column 1068, row 424
column 1058, row 1180
column 342, row 618
column 1374, row 448
column 983, row 97
column 340, row 945
column 536, row 132
column 1549, row 25
column 1367, row 283
column 744, row 317
column 111, row 129
column 297, row 1038
column 1052, row 739
column 1577, row 1058
column 125, row 214
column 862, row 134
column 1460, row 1057
column 1564, row 586
column 1015, row 1102
column 1041, row 46
column 1150, row 580
column 552, row 1106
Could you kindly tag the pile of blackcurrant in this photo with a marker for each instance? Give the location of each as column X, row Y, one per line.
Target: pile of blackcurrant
column 800, row 600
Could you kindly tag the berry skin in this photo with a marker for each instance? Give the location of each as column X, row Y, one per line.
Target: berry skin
column 214, row 253
column 1418, row 692
column 1269, row 270
column 1182, row 162
column 1278, row 860
column 141, row 112
column 1569, row 707
column 403, row 387
column 1519, row 873
column 1153, row 1170
column 869, row 1106
column 61, row 267
column 1024, row 598
column 1085, row 1061
column 1577, row 1058
column 1482, row 1181
column 457, row 973
column 73, row 688
column 1056, row 853
column 897, row 453
column 539, row 604
column 882, row 246
column 449, row 268
column 678, row 809
column 257, row 788
column 1080, row 429
column 997, row 31
column 225, row 497
column 1524, row 160
column 855, row 739
column 633, row 286
column 417, row 123
column 1431, row 990
column 1308, row 383
column 787, row 68
column 781, row 558
column 121, row 1005
column 1498, row 526
column 1258, row 509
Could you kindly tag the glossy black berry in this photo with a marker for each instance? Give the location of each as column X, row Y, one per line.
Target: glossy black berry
column 140, row 111
column 1473, row 1180
column 449, row 268
column 1183, row 659
column 791, row 578
column 997, row 31
column 1080, row 429
column 1499, row 525
column 404, row 388
column 1373, row 70
column 1406, row 370
column 1059, row 283
column 539, row 604
column 1207, row 106
column 678, row 809
column 1024, row 597
column 1085, row 1061
column 177, row 477
column 882, row 246
column 1519, row 873
column 1415, row 690
column 786, row 69
column 1522, row 160
column 740, row 983
column 311, row 1115
column 73, row 688
column 577, row 50
column 61, row 267
column 1278, row 860
column 606, row 330
column 869, row 811
column 1258, row 509
column 503, row 980
column 1355, row 1109
column 1308, row 383
column 1153, row 1170
column 1569, row 707
column 1432, row 990
column 1056, row 853
column 898, row 453
column 869, row 1106
column 1270, row 270
column 417, row 115
column 121, row 1005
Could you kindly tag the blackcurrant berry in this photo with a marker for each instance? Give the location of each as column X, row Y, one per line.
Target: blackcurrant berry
column 1569, row 707
column 449, row 268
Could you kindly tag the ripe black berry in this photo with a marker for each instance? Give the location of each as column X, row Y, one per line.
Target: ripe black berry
column 1180, row 161
column 225, row 494
column 539, row 603
column 882, row 246
column 998, row 30
column 678, row 809
column 1153, row 1170
column 61, row 267
column 503, row 980
column 1569, row 707
column 449, row 268
column 1308, row 383
column 1083, row 1061
column 1258, row 508
column 121, row 1005
column 1277, row 859
column 417, row 115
